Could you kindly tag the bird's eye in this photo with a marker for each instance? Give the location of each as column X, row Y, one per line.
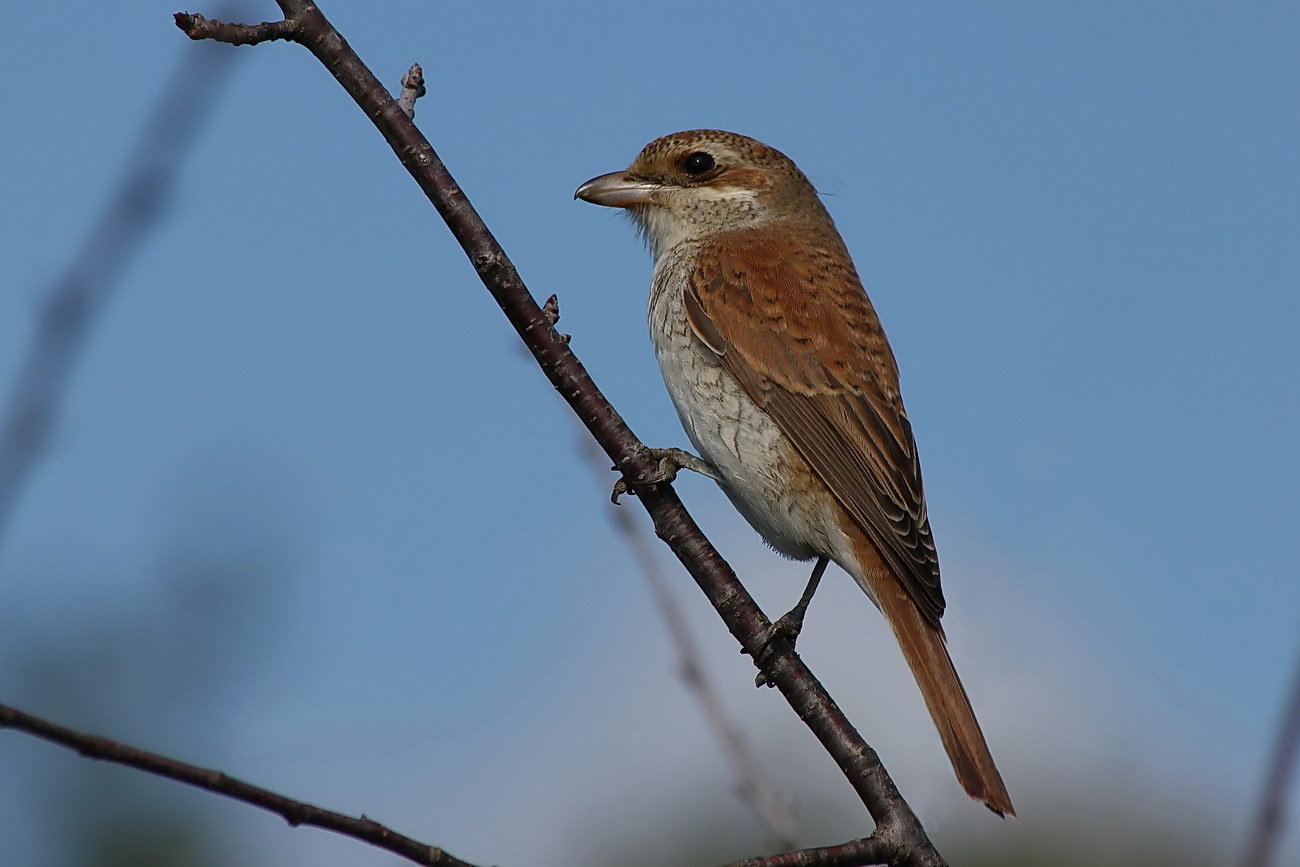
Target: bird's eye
column 698, row 163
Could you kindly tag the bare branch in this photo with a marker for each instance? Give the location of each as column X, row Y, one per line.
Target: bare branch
column 412, row 89
column 294, row 812
column 1261, row 851
column 899, row 838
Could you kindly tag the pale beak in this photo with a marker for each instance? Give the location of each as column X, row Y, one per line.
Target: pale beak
column 618, row 190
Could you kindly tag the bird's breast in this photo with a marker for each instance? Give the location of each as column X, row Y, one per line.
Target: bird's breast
column 762, row 473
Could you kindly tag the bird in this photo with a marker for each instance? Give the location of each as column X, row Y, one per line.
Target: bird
column 781, row 374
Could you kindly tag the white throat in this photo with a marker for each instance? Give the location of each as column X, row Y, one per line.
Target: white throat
column 691, row 214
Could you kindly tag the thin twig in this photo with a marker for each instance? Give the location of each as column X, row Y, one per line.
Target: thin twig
column 73, row 303
column 1261, row 850
column 198, row 27
column 294, row 812
column 752, row 783
column 899, row 838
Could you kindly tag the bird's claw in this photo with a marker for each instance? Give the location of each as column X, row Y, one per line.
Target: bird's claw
column 788, row 626
column 669, row 463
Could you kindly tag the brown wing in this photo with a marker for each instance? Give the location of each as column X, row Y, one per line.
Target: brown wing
column 792, row 323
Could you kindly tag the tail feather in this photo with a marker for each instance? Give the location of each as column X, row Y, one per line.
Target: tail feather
column 926, row 651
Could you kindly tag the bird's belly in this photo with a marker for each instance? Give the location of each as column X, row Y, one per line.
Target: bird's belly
column 765, row 478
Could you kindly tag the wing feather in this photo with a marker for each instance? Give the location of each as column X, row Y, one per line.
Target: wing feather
column 793, row 325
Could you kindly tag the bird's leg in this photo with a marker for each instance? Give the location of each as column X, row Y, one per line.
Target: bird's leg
column 790, row 624
column 669, row 461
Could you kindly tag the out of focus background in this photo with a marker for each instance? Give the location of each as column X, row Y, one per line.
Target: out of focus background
column 309, row 514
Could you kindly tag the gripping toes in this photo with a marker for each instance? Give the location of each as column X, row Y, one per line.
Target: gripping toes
column 668, row 463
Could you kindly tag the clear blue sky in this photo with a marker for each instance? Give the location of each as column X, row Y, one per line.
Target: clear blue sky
column 1078, row 221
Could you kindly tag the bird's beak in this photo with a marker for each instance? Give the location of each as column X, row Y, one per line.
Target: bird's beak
column 618, row 190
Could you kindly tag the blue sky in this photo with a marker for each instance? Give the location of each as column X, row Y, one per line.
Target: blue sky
column 1078, row 222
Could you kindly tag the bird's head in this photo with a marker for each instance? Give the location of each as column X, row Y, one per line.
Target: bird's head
column 702, row 182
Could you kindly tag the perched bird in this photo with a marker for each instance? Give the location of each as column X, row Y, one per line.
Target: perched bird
column 786, row 385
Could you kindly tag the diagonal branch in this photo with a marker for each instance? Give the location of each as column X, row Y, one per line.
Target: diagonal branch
column 294, row 812
column 899, row 838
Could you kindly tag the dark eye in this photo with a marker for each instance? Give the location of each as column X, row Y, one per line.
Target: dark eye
column 698, row 163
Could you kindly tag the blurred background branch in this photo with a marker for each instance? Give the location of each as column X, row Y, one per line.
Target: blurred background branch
column 75, row 301
column 1266, row 835
column 68, row 313
column 753, row 784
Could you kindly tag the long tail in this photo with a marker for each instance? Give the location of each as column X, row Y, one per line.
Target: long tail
column 926, row 651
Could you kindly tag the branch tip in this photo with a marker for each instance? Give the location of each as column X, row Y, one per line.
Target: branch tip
column 197, row 27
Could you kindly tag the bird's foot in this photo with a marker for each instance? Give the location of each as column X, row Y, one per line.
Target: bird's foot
column 790, row 624
column 787, row 626
column 668, row 463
